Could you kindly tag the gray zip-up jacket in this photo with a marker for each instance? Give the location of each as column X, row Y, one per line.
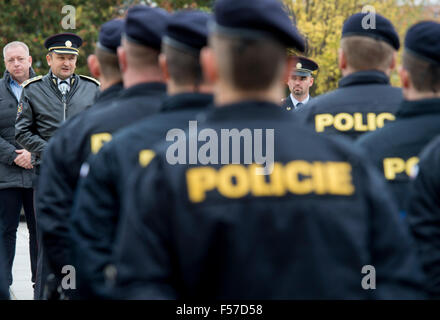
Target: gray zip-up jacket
column 43, row 109
column 11, row 175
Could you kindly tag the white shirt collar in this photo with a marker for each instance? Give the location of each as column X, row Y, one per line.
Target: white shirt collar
column 67, row 80
column 295, row 102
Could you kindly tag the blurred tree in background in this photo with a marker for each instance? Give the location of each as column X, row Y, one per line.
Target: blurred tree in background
column 32, row 21
column 321, row 22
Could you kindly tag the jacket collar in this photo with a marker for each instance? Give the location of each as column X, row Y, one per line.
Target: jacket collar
column 247, row 110
column 53, row 79
column 184, row 101
column 7, row 75
column 418, row 107
column 143, row 89
column 364, row 77
column 110, row 92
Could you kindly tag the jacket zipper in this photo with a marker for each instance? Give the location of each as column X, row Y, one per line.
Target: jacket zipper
column 65, row 106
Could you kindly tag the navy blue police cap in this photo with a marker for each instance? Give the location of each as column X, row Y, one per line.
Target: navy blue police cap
column 423, row 41
column 109, row 38
column 145, row 25
column 360, row 24
column 257, row 18
column 188, row 30
column 67, row 43
column 304, row 67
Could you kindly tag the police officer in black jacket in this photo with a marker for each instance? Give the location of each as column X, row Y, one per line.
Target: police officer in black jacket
column 97, row 205
column 424, row 214
column 365, row 100
column 47, row 101
column 62, row 158
column 15, row 167
column 395, row 148
column 144, row 91
column 224, row 222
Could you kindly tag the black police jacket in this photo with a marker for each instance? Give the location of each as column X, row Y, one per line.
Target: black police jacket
column 288, row 105
column 97, row 205
column 424, row 214
column 68, row 150
column 43, row 109
column 395, row 148
column 11, row 175
column 222, row 231
column 363, row 102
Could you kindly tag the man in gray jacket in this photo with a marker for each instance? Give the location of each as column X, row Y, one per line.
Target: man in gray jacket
column 15, row 162
column 47, row 101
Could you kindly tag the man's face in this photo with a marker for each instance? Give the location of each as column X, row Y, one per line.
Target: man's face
column 18, row 62
column 62, row 65
column 299, row 85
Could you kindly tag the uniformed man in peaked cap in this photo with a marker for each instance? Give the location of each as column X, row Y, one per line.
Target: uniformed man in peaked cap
column 63, row 156
column 212, row 223
column 300, row 81
column 46, row 102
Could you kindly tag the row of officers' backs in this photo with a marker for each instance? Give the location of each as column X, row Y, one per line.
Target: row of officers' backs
column 116, row 200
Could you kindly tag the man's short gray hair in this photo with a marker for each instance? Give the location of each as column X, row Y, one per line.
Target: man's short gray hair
column 15, row 44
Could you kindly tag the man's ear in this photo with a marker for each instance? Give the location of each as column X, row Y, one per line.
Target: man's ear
column 209, row 65
column 404, row 78
column 290, row 65
column 342, row 59
column 48, row 59
column 122, row 59
column 94, row 66
column 30, row 60
column 312, row 80
column 393, row 61
column 164, row 66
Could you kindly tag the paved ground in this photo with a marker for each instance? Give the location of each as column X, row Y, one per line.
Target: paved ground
column 21, row 271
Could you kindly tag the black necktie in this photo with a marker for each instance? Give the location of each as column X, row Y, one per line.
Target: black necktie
column 299, row 105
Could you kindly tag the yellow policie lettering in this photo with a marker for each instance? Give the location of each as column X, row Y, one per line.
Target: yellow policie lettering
column 97, row 141
column 296, row 177
column 145, row 157
column 394, row 166
column 346, row 122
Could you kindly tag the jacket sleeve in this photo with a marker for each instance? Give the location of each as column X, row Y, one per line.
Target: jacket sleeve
column 424, row 216
column 24, row 127
column 94, row 221
column 394, row 257
column 54, row 201
column 7, row 152
column 144, row 262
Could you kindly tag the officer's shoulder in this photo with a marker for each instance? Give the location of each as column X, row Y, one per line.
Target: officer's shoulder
column 90, row 79
column 31, row 80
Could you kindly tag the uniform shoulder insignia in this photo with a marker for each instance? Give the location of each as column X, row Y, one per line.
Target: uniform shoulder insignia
column 90, row 79
column 25, row 83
